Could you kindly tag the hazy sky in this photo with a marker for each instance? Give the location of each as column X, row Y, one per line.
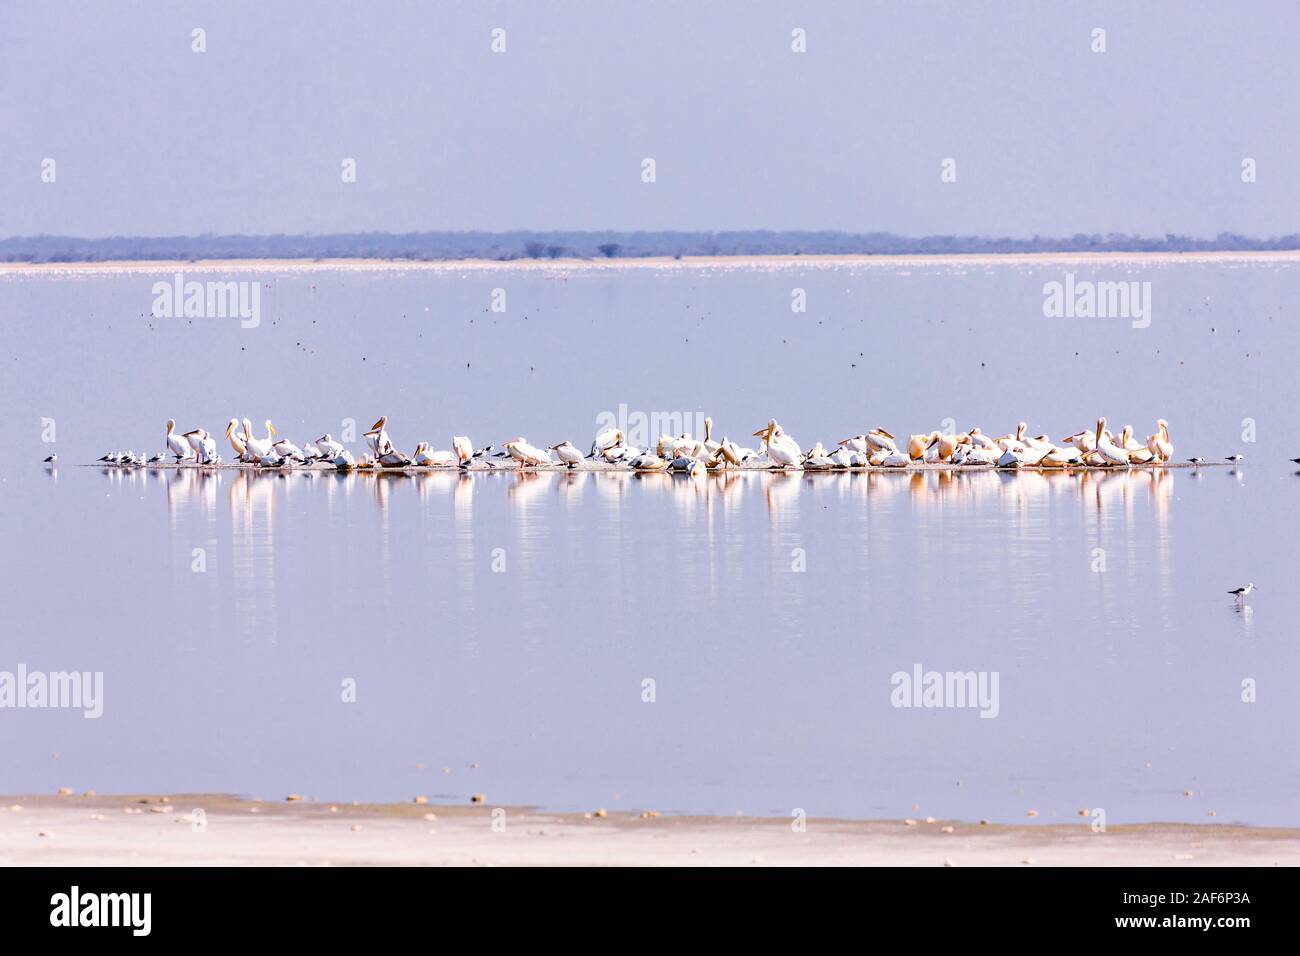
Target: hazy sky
column 1049, row 137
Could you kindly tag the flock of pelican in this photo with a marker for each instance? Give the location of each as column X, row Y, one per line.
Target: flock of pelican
column 777, row 449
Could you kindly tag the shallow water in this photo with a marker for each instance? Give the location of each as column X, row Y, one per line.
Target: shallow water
column 511, row 622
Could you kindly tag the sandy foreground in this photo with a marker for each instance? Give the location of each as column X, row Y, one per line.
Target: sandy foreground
column 166, row 831
column 648, row 262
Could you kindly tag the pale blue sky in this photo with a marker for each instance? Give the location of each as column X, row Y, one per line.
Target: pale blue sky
column 1049, row 137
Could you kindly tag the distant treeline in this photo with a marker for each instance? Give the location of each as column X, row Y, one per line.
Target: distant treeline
column 506, row 246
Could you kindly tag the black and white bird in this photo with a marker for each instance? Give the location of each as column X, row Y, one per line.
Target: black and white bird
column 1240, row 593
column 1198, row 460
column 52, row 459
column 1235, row 458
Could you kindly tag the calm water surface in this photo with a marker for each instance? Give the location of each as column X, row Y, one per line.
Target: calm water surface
column 511, row 621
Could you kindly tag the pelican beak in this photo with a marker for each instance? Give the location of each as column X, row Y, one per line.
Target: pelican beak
column 271, row 429
column 229, row 429
column 376, row 425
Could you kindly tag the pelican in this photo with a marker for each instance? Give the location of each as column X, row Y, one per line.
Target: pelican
column 1059, row 458
column 378, row 436
column 1110, row 453
column 893, row 458
column 710, row 446
column 979, row 440
column 568, row 454
column 527, row 454
column 287, row 449
column 649, row 462
column 434, row 459
column 344, row 461
column 1159, row 443
column 259, row 448
column 237, row 443
column 918, row 445
column 176, row 444
column 1085, row 441
column 606, row 439
column 195, row 439
column 857, row 443
column 879, row 440
column 394, row 458
column 781, row 448
column 982, row 454
column 464, row 449
column 329, row 448
column 1137, row 454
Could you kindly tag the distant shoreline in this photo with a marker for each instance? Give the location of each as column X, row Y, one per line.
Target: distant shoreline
column 215, row 829
column 646, row 262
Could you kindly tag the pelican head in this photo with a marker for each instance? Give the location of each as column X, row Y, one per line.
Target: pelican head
column 171, row 425
column 1101, row 427
column 234, row 423
column 768, row 430
column 708, row 428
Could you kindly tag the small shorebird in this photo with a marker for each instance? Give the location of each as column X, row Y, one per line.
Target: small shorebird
column 52, row 459
column 1296, row 460
column 1241, row 593
column 1235, row 458
column 1198, row 460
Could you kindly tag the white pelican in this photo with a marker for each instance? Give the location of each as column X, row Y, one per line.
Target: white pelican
column 1059, row 458
column 207, row 448
column 979, row 440
column 237, row 443
column 329, row 448
column 568, row 454
column 259, row 447
column 311, row 452
column 394, row 459
column 378, row 435
column 1159, row 443
column 1085, row 441
column 1111, row 453
column 649, row 462
column 287, row 449
column 1137, row 454
column 463, row 447
column 176, row 444
column 781, row 448
column 917, row 445
column 857, row 443
column 344, row 460
column 605, row 440
column 893, row 458
column 526, row 454
column 433, row 459
column 710, row 446
column 879, row 440
column 981, row 455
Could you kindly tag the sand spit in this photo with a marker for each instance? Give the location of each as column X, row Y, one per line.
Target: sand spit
column 34, row 269
column 190, row 829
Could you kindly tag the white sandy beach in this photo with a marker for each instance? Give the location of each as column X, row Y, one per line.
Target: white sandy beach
column 158, row 830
